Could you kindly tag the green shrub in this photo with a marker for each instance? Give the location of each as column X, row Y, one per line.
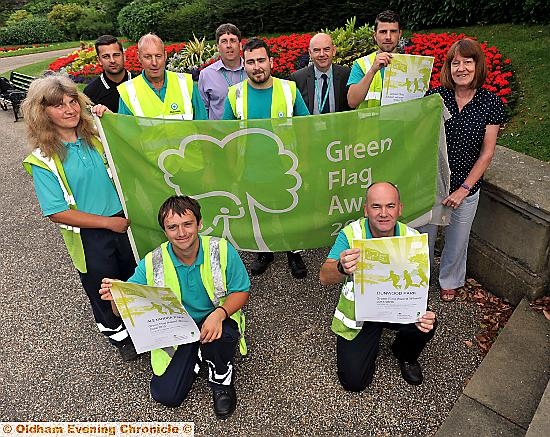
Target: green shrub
column 93, row 24
column 65, row 18
column 33, row 30
column 186, row 22
column 17, row 16
column 141, row 17
column 352, row 43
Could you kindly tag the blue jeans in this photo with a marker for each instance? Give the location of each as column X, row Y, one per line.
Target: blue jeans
column 452, row 270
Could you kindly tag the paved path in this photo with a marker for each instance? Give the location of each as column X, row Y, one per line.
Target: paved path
column 15, row 62
column 55, row 365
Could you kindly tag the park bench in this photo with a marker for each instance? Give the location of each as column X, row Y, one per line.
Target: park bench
column 14, row 91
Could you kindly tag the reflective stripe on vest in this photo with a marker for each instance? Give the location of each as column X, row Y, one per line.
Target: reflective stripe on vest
column 144, row 102
column 282, row 99
column 217, row 275
column 69, row 198
column 374, row 93
column 349, row 323
column 160, row 271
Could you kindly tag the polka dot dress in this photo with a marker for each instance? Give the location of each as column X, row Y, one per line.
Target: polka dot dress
column 465, row 130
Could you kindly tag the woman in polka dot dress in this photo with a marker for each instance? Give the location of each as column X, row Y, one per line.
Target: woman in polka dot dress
column 476, row 115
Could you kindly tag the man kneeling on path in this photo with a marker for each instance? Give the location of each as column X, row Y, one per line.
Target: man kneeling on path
column 193, row 265
column 358, row 342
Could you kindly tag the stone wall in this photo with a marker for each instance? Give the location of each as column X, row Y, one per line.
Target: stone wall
column 509, row 249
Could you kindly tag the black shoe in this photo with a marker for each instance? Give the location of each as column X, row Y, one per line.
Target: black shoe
column 411, row 372
column 261, row 263
column 128, row 352
column 296, row 264
column 225, row 401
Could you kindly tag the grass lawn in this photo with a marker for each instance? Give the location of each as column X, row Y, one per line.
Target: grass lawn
column 33, row 69
column 30, row 50
column 528, row 131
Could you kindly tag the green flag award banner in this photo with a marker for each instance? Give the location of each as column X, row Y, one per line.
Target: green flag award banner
column 279, row 184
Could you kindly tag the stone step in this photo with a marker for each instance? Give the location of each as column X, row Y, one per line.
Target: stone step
column 540, row 425
column 506, row 389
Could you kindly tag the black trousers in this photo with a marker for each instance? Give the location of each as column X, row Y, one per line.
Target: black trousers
column 108, row 255
column 356, row 359
column 173, row 386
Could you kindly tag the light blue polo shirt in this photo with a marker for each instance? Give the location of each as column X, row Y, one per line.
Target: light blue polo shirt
column 199, row 110
column 342, row 244
column 193, row 294
column 92, row 188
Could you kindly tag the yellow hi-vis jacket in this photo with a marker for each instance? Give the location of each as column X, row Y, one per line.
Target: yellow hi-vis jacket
column 143, row 102
column 71, row 234
column 160, row 272
column 344, row 323
column 282, row 100
column 374, row 94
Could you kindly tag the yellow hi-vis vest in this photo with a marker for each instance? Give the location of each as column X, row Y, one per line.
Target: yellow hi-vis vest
column 160, row 272
column 282, row 99
column 343, row 321
column 143, row 102
column 374, row 94
column 71, row 234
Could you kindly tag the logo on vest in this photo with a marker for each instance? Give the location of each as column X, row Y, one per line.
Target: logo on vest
column 281, row 114
column 174, row 106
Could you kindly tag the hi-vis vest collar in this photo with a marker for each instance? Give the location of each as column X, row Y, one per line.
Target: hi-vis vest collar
column 143, row 102
column 374, row 94
column 282, row 99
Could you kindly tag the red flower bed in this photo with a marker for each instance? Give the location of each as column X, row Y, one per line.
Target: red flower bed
column 94, row 69
column 20, row 47
column 286, row 51
column 437, row 45
column 59, row 63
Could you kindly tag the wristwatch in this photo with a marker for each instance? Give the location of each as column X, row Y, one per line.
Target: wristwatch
column 340, row 268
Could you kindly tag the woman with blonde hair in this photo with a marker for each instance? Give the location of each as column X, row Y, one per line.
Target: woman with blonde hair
column 471, row 132
column 74, row 189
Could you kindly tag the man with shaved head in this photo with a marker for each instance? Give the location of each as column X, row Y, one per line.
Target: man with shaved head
column 357, row 342
column 323, row 84
column 158, row 93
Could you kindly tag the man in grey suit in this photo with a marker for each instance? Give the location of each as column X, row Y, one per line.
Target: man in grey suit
column 323, row 84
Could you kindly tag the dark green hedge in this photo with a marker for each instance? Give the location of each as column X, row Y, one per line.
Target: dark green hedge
column 265, row 16
column 30, row 31
column 424, row 14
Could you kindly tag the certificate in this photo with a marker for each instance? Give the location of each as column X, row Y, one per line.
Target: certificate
column 154, row 316
column 392, row 279
column 406, row 78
